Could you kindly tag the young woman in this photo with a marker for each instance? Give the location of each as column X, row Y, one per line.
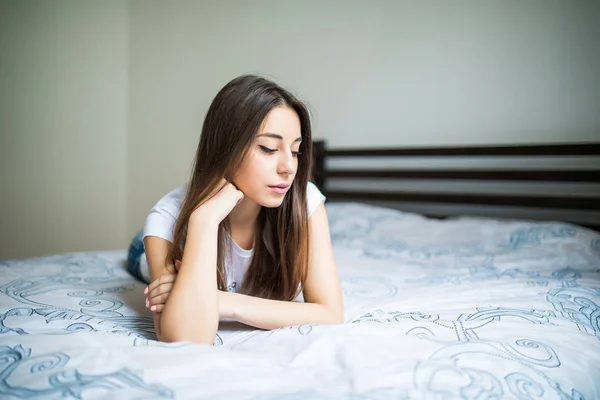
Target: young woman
column 248, row 233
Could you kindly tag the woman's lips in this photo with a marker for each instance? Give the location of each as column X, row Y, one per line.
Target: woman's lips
column 279, row 189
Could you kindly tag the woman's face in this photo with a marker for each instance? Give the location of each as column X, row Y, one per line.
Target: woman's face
column 268, row 171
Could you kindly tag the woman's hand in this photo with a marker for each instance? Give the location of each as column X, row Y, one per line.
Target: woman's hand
column 219, row 205
column 158, row 292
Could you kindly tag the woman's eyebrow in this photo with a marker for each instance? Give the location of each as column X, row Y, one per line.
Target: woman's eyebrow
column 276, row 136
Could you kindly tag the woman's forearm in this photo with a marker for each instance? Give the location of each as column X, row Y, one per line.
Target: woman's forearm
column 273, row 314
column 191, row 312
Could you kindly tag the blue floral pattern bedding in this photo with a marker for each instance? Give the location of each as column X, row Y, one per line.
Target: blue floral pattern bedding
column 463, row 308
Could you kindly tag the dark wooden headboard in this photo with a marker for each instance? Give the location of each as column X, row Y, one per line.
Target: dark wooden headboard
column 580, row 206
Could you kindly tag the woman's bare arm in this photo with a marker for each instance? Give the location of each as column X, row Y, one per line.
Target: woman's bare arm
column 322, row 293
column 191, row 312
column 191, row 308
column 157, row 250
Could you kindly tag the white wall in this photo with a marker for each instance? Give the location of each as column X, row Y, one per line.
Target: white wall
column 101, row 103
column 376, row 73
column 63, row 126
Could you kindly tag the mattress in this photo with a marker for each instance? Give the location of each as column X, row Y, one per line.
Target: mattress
column 463, row 308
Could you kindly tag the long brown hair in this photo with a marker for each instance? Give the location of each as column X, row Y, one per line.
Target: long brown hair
column 280, row 257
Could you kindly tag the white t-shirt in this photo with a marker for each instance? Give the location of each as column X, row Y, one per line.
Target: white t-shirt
column 161, row 222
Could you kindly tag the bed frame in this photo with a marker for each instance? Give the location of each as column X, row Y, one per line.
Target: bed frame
column 586, row 205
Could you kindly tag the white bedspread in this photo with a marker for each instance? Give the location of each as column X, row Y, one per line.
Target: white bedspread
column 455, row 309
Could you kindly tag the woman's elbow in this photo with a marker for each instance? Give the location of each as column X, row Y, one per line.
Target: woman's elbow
column 335, row 316
column 172, row 332
column 338, row 318
column 175, row 337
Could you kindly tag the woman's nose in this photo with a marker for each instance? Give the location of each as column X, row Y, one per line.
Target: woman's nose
column 287, row 164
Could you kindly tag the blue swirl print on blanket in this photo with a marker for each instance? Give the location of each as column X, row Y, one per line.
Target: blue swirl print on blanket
column 452, row 372
column 535, row 234
column 487, row 271
column 478, row 262
column 578, row 305
column 63, row 382
column 432, row 326
column 390, row 248
column 20, row 312
column 380, row 316
column 91, row 293
column 462, row 329
column 89, row 276
column 351, row 224
column 125, row 325
column 463, row 309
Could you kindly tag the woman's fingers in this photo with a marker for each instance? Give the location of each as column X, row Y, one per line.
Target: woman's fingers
column 160, row 299
column 160, row 291
column 168, row 278
column 158, row 302
column 157, row 308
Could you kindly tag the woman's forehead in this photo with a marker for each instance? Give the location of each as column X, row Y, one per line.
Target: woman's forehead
column 281, row 123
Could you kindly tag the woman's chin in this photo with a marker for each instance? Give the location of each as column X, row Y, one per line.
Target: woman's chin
column 271, row 202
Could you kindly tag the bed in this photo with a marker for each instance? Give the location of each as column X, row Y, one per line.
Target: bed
column 436, row 307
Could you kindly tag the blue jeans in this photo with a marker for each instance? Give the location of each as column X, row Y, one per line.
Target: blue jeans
column 136, row 250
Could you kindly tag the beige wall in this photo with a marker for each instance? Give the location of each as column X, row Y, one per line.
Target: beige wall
column 376, row 73
column 63, row 125
column 127, row 84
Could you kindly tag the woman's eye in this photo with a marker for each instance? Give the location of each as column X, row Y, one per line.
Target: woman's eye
column 296, row 153
column 266, row 149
